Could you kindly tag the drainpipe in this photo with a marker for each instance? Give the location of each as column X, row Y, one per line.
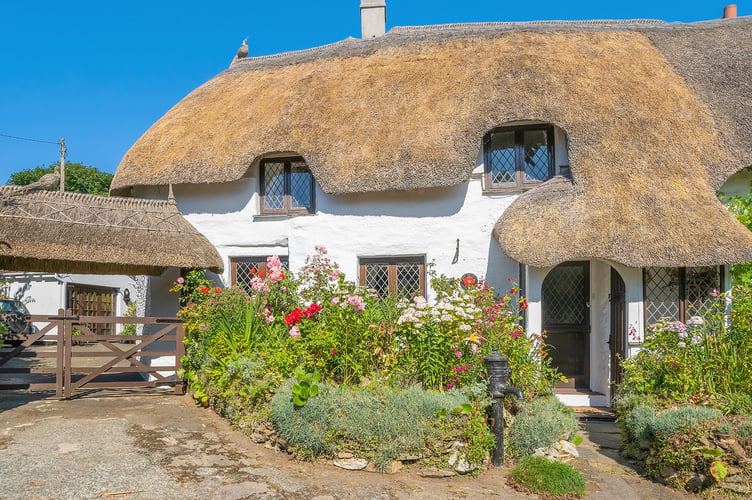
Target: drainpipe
column 372, row 18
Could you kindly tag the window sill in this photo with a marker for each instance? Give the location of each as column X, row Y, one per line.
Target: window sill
column 505, row 191
column 280, row 216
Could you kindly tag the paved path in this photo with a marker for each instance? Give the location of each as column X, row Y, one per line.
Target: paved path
column 131, row 445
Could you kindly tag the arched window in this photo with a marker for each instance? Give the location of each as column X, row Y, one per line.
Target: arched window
column 518, row 156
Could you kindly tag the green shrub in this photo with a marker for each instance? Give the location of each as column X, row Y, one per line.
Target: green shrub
column 541, row 475
column 540, row 423
column 377, row 424
column 645, row 424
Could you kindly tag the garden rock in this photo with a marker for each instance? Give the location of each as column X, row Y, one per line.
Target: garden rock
column 345, row 454
column 667, row 471
column 404, row 457
column 695, row 483
column 351, row 463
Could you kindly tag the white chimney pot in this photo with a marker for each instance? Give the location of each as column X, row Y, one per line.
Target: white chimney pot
column 372, row 18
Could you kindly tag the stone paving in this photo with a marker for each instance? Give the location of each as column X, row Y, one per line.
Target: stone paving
column 136, row 445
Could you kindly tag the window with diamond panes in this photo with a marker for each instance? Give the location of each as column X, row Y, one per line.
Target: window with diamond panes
column 286, row 186
column 402, row 277
column 678, row 293
column 518, row 157
column 243, row 269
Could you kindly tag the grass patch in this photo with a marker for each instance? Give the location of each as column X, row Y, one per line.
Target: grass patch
column 540, row 475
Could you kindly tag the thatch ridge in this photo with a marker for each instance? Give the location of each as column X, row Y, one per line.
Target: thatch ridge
column 49, row 231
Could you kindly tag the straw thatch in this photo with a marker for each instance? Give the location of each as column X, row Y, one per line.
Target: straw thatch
column 81, row 233
column 651, row 132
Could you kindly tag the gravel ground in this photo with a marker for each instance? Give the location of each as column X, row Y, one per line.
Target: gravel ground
column 132, row 445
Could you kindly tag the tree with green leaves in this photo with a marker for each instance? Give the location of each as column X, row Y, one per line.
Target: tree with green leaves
column 79, row 178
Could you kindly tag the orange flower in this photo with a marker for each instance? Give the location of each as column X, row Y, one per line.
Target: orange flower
column 204, row 289
column 217, row 289
column 252, row 271
column 261, row 272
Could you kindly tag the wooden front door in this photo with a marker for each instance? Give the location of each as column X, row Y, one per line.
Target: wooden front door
column 566, row 320
column 617, row 339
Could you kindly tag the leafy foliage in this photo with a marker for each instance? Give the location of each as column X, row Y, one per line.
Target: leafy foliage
column 377, row 423
column 540, row 423
column 706, row 362
column 79, row 178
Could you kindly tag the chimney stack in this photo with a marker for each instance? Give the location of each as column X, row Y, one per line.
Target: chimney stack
column 372, row 18
column 729, row 11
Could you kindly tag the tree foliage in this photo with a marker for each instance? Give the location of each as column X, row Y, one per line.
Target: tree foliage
column 79, row 178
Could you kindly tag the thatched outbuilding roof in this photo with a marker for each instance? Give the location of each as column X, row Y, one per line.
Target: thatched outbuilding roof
column 81, row 233
column 657, row 116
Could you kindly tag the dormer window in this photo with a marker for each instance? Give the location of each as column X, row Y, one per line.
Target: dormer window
column 518, row 157
column 286, row 187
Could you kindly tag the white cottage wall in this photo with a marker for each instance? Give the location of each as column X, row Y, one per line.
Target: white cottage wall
column 426, row 222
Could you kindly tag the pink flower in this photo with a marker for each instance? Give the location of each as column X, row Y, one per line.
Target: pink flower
column 714, row 293
column 458, row 354
column 274, row 263
column 180, row 280
column 320, row 249
column 295, row 332
column 259, row 285
column 269, row 319
column 356, row 301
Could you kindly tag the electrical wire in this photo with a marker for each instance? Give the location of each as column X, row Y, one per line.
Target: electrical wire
column 26, row 139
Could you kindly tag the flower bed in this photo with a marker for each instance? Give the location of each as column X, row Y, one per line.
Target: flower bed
column 685, row 405
column 297, row 346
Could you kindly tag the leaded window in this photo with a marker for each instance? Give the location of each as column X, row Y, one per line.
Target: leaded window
column 243, row 269
column 399, row 276
column 678, row 293
column 518, row 157
column 286, row 186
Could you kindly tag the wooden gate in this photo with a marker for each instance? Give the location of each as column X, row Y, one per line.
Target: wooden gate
column 74, row 357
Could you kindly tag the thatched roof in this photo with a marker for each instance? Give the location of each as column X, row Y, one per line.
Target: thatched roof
column 657, row 116
column 82, row 233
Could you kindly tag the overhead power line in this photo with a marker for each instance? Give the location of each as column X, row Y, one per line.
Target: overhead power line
column 27, row 139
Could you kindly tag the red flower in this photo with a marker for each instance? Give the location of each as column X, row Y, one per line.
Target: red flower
column 312, row 309
column 334, row 351
column 217, row 289
column 513, row 291
column 261, row 272
column 468, row 281
column 252, row 271
column 204, row 289
column 523, row 303
column 294, row 317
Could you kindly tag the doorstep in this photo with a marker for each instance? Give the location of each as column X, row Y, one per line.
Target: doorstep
column 581, row 398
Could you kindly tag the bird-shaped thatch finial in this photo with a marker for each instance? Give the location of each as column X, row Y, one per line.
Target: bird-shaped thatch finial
column 47, row 181
column 243, row 50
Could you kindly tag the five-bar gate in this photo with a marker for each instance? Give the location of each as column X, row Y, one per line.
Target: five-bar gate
column 72, row 357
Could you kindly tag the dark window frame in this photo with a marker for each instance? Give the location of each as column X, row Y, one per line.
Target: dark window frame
column 682, row 291
column 520, row 183
column 287, row 209
column 391, row 263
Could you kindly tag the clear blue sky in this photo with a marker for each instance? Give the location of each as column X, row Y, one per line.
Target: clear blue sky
column 99, row 73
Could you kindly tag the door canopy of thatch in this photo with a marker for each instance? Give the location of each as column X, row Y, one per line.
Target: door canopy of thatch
column 80, row 233
column 657, row 117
